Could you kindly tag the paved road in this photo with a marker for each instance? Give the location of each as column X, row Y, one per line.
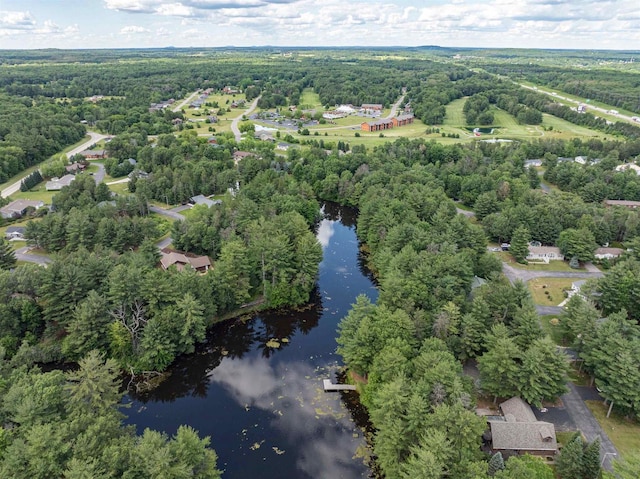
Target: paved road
column 185, row 101
column 394, row 108
column 585, row 422
column 577, row 102
column 236, row 121
column 95, row 137
column 524, row 275
column 169, row 213
column 22, row 254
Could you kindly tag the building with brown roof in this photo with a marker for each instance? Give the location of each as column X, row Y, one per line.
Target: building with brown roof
column 180, row 260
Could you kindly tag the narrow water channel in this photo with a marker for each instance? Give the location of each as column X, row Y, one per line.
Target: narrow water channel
column 264, row 406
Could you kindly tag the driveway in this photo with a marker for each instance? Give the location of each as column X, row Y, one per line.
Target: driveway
column 468, row 214
column 22, row 254
column 99, row 175
column 587, row 424
column 169, row 213
column 549, row 310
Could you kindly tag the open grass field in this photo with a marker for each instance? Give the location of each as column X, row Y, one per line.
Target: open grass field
column 549, row 291
column 310, row 100
column 624, row 433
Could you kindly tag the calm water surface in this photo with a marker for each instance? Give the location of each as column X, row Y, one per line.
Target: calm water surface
column 264, row 407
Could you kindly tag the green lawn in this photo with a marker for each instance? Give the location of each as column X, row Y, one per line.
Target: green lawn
column 623, row 432
column 552, row 328
column 310, row 100
column 549, row 291
column 37, row 193
column 454, row 115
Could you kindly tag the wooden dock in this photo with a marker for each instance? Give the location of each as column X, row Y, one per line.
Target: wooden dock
column 329, row 386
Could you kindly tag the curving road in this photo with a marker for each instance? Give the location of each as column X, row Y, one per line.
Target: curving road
column 95, row 137
column 236, row 121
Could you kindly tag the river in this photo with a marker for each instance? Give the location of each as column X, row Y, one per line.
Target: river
column 264, row 406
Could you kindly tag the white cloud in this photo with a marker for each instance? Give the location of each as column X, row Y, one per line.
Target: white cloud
column 129, row 29
column 131, row 6
column 16, row 20
column 175, row 10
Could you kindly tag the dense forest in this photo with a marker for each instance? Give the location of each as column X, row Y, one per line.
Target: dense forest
column 105, row 305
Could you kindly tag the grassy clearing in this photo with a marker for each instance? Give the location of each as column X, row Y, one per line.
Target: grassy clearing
column 623, row 432
column 549, row 291
column 565, row 129
column 563, row 437
column 454, row 115
column 552, row 328
column 310, row 100
column 120, row 188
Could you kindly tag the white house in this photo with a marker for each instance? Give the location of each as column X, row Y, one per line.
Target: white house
column 56, row 184
column 629, row 166
column 581, row 160
column 608, row 253
column 14, row 233
column 544, row 254
column 532, row 163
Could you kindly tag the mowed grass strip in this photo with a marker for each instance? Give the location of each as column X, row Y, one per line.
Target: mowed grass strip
column 310, row 100
column 454, row 115
column 623, row 432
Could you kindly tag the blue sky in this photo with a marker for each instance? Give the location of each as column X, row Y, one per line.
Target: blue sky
column 588, row 24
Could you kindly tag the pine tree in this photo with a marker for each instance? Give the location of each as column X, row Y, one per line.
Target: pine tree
column 520, row 244
column 496, row 463
column 570, row 460
column 591, row 461
column 7, row 256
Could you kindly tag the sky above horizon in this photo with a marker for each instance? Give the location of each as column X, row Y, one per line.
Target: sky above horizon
column 582, row 24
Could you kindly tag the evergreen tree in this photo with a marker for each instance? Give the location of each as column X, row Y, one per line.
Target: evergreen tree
column 520, row 244
column 591, row 461
column 569, row 464
column 7, row 256
column 496, row 463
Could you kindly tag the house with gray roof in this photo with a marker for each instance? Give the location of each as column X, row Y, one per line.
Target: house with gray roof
column 17, row 208
column 519, row 432
column 56, row 184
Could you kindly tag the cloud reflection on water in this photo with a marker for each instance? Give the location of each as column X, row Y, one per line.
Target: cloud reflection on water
column 316, row 425
column 325, row 232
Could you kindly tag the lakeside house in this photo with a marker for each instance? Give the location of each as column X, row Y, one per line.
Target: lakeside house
column 519, row 432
